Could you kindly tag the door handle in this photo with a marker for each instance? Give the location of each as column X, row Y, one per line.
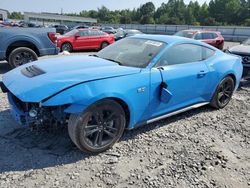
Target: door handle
column 202, row 73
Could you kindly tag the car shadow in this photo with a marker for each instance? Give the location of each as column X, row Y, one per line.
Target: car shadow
column 4, row 67
column 24, row 149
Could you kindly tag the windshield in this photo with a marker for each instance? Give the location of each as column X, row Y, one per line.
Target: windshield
column 187, row 34
column 70, row 33
column 247, row 42
column 132, row 52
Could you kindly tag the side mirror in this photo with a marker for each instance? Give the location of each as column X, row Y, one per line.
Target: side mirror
column 77, row 35
column 165, row 94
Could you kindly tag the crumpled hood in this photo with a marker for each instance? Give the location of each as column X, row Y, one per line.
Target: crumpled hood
column 61, row 73
column 240, row 49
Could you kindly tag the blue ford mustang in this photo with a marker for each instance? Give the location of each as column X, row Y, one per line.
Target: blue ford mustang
column 135, row 81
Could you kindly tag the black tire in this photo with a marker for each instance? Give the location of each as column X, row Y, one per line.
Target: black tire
column 104, row 45
column 20, row 56
column 223, row 93
column 66, row 47
column 99, row 127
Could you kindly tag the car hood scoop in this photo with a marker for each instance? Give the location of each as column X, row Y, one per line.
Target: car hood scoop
column 32, row 71
column 38, row 80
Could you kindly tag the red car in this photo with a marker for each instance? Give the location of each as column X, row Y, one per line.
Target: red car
column 213, row 38
column 83, row 39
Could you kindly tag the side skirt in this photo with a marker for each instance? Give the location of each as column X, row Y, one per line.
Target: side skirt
column 172, row 113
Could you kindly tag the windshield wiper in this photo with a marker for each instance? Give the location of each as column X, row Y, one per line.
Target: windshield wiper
column 118, row 62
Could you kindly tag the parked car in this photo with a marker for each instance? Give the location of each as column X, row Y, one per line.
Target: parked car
column 80, row 27
column 28, row 24
column 109, row 30
column 1, row 25
column 82, row 39
column 23, row 45
column 95, row 27
column 135, row 81
column 213, row 38
column 120, row 34
column 243, row 50
column 61, row 29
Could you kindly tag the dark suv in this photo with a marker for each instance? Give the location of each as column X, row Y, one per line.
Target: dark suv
column 213, row 38
column 61, row 29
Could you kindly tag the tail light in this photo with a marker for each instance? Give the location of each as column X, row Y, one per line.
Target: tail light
column 219, row 41
column 52, row 37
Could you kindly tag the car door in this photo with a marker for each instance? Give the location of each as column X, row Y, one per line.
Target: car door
column 94, row 39
column 81, row 41
column 179, row 79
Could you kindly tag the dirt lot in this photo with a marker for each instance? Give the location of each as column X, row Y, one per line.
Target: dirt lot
column 199, row 148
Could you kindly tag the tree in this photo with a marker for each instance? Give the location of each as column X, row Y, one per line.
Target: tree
column 103, row 14
column 204, row 13
column 147, row 13
column 16, row 15
column 217, row 12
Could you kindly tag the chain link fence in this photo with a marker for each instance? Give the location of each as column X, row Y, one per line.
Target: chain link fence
column 230, row 33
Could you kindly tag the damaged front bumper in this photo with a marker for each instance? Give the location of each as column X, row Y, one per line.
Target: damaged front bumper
column 21, row 117
column 33, row 114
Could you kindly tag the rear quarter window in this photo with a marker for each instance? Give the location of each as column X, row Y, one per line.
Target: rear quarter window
column 207, row 53
column 209, row 36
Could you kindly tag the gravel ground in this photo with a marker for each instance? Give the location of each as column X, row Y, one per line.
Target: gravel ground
column 199, row 148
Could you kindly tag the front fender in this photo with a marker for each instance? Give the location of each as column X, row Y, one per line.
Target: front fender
column 124, row 88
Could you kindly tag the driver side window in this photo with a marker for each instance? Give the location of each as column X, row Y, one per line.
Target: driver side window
column 84, row 33
column 180, row 54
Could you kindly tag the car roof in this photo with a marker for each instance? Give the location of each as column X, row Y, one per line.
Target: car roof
column 164, row 38
column 171, row 39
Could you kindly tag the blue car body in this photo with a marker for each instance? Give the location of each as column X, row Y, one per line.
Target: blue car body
column 79, row 81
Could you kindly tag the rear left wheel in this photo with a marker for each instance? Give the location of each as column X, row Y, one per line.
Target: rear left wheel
column 99, row 127
column 223, row 93
column 104, row 45
column 20, row 56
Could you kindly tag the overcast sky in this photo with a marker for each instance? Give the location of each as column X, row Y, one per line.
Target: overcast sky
column 70, row 6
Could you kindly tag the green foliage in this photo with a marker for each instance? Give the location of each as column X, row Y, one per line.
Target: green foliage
column 15, row 15
column 247, row 22
column 216, row 12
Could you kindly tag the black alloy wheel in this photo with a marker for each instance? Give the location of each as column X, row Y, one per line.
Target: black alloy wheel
column 21, row 56
column 223, row 93
column 99, row 127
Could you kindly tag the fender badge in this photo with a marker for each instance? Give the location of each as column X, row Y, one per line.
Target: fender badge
column 141, row 89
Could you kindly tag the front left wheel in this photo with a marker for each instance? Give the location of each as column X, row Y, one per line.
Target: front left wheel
column 99, row 127
column 66, row 47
